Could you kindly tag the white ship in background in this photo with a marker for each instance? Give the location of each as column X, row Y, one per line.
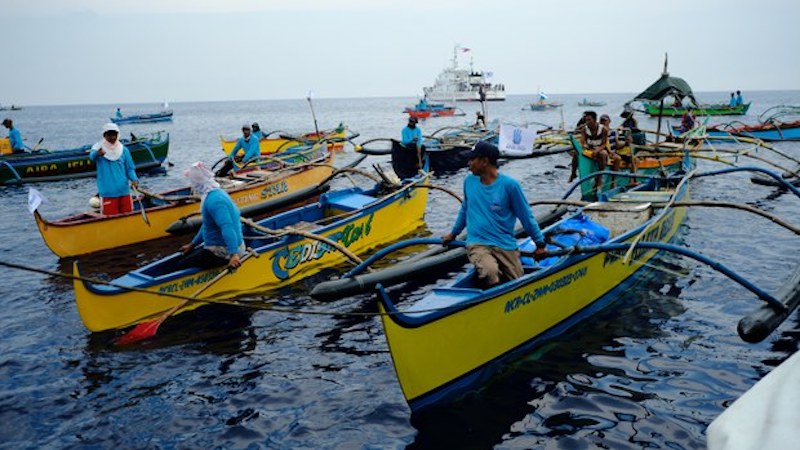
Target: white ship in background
column 455, row 83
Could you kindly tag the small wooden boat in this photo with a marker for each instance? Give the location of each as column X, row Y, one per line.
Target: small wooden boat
column 161, row 116
column 269, row 145
column 779, row 123
column 432, row 110
column 655, row 110
column 148, row 153
column 254, row 191
column 456, row 335
column 649, row 161
column 585, row 102
column 544, row 106
column 357, row 219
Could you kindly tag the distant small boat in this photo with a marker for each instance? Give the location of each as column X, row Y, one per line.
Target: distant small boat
column 585, row 102
column 162, row 116
column 654, row 110
column 542, row 104
column 423, row 110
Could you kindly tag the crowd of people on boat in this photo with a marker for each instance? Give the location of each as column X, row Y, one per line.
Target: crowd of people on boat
column 607, row 145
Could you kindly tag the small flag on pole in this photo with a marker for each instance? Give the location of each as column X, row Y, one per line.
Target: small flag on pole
column 35, row 198
column 464, row 49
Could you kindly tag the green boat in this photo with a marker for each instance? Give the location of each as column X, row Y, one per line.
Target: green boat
column 653, row 109
column 148, row 153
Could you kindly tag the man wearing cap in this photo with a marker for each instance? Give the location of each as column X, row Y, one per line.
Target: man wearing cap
column 257, row 133
column 411, row 136
column 251, row 146
column 492, row 204
column 115, row 169
column 221, row 232
column 14, row 137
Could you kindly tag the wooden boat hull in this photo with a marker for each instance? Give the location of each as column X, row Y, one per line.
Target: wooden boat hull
column 544, row 106
column 279, row 262
column 88, row 232
column 704, row 110
column 645, row 166
column 147, row 154
column 164, row 116
column 271, row 145
column 439, row 354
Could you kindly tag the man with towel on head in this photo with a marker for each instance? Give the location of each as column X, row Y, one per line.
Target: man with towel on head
column 115, row 172
column 221, row 232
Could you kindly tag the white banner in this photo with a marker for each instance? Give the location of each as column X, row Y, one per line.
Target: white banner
column 35, row 198
column 516, row 140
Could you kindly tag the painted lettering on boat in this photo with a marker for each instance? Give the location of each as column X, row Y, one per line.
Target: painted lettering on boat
column 190, row 282
column 274, row 189
column 246, row 199
column 289, row 258
column 531, row 296
column 41, row 169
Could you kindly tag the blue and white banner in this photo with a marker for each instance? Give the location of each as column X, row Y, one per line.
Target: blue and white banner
column 516, row 140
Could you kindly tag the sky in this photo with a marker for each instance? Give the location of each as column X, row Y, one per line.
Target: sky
column 139, row 51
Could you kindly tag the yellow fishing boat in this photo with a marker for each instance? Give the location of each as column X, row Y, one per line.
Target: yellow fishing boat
column 457, row 335
column 254, row 191
column 270, row 145
column 357, row 219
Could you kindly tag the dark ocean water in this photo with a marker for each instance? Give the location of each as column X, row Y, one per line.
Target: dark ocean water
column 651, row 371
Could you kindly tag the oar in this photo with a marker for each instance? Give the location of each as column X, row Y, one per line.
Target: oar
column 314, row 116
column 36, row 147
column 141, row 205
column 146, row 330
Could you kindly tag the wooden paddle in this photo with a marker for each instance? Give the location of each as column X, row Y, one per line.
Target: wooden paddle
column 146, row 330
column 141, row 205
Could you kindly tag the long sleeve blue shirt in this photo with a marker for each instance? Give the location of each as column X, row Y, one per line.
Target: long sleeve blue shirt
column 251, row 147
column 113, row 176
column 490, row 212
column 408, row 135
column 221, row 223
column 15, row 139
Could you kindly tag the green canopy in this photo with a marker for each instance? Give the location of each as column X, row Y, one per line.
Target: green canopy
column 666, row 86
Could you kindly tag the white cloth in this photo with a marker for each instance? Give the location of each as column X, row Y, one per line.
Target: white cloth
column 515, row 140
column 201, row 179
column 35, row 198
column 767, row 417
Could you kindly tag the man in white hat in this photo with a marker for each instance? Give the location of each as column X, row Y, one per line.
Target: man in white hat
column 115, row 169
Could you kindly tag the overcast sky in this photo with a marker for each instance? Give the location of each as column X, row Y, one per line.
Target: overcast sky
column 137, row 51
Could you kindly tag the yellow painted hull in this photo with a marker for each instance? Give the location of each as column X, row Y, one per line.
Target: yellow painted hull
column 89, row 232
column 270, row 146
column 442, row 354
column 382, row 224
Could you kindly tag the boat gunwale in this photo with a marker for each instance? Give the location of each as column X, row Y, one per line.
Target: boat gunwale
column 149, row 280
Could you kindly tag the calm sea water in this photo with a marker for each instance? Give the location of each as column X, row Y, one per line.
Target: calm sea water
column 651, row 371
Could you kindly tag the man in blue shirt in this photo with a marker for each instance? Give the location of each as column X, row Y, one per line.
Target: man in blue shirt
column 407, row 156
column 251, row 147
column 221, row 232
column 492, row 204
column 14, row 137
column 732, row 101
column 115, row 168
column 739, row 99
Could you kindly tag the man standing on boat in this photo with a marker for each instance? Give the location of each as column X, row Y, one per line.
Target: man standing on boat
column 411, row 140
column 14, row 137
column 221, row 232
column 116, row 172
column 492, row 204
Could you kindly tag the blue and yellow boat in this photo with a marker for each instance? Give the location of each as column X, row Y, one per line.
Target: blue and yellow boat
column 357, row 219
column 457, row 335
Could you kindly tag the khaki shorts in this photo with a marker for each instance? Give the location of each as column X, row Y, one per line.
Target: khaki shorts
column 494, row 265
